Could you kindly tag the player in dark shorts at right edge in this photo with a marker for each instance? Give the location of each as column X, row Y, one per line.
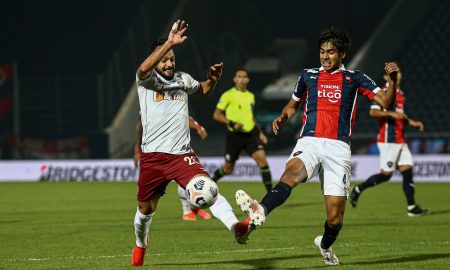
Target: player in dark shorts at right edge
column 323, row 148
column 394, row 152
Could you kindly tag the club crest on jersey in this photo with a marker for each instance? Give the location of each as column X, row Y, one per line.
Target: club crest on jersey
column 348, row 78
column 330, row 91
column 390, row 164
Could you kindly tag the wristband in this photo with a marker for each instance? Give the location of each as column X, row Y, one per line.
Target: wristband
column 198, row 126
column 137, row 151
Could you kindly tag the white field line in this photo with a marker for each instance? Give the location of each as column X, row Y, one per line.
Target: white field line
column 439, row 243
column 149, row 254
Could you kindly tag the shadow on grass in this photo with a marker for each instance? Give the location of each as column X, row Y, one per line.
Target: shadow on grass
column 405, row 259
column 257, row 263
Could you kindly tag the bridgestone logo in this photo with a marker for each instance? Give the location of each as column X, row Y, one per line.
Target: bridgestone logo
column 89, row 173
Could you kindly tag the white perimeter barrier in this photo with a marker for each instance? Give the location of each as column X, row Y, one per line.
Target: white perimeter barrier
column 428, row 168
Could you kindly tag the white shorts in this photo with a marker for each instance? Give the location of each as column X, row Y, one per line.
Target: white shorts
column 330, row 159
column 393, row 155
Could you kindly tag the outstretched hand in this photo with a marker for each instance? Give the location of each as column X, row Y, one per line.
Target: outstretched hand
column 215, row 72
column 277, row 123
column 176, row 34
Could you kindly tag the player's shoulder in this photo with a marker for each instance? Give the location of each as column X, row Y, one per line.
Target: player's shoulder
column 306, row 73
column 182, row 74
column 310, row 71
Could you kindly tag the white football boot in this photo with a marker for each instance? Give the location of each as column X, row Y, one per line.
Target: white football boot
column 328, row 255
column 252, row 208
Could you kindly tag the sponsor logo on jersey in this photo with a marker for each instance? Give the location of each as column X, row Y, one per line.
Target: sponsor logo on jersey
column 330, row 91
column 160, row 96
column 297, row 153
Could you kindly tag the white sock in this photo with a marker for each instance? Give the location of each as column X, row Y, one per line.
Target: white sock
column 222, row 210
column 185, row 205
column 141, row 227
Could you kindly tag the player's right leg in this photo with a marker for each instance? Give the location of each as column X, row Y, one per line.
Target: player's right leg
column 294, row 174
column 142, row 222
column 301, row 166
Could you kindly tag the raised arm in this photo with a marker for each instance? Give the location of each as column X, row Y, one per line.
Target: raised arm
column 176, row 36
column 386, row 99
column 214, row 74
column 288, row 111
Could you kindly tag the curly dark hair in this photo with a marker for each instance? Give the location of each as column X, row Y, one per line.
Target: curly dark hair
column 156, row 44
column 337, row 37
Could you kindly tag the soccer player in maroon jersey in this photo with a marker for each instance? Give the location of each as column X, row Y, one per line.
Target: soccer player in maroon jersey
column 323, row 149
column 166, row 152
column 394, row 152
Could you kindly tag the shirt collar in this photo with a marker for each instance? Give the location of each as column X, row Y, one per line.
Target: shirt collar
column 341, row 68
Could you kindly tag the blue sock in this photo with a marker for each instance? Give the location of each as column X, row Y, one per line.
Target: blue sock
column 276, row 197
column 408, row 186
column 373, row 181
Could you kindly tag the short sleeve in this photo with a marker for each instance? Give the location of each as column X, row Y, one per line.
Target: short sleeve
column 300, row 87
column 192, row 85
column 148, row 81
column 367, row 87
column 223, row 102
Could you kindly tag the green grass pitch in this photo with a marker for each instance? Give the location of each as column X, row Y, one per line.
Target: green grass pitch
column 90, row 226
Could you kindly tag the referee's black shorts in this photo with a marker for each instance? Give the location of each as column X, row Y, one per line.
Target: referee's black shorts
column 236, row 141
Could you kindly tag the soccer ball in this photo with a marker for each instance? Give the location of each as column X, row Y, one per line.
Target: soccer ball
column 202, row 191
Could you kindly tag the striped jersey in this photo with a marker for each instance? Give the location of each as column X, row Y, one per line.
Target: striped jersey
column 164, row 112
column 392, row 130
column 330, row 108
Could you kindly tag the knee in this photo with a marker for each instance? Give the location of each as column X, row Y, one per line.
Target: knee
column 335, row 222
column 145, row 209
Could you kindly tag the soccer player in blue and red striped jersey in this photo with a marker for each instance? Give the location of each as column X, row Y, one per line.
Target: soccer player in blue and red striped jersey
column 323, row 149
column 394, row 152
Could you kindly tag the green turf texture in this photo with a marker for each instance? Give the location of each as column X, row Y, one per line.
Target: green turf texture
column 90, row 226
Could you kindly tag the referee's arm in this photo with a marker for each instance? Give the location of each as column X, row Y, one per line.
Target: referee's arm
column 219, row 116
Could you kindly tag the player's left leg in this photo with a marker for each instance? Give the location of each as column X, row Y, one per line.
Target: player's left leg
column 405, row 166
column 185, row 168
column 335, row 206
column 260, row 157
column 335, row 177
column 189, row 213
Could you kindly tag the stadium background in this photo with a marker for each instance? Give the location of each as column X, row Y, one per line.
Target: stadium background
column 67, row 97
column 70, row 92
